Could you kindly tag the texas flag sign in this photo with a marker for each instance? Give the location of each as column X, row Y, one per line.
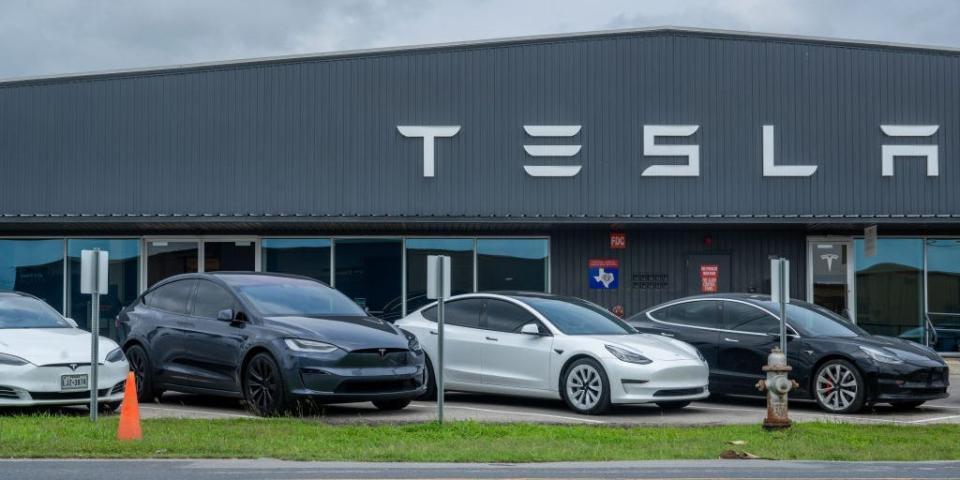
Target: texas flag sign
column 603, row 273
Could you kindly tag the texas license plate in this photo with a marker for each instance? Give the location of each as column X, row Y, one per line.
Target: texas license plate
column 73, row 382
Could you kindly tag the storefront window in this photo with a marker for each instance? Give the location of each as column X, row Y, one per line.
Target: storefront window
column 34, row 267
column 889, row 288
column 370, row 271
column 169, row 258
column 230, row 255
column 460, row 251
column 123, row 278
column 943, row 292
column 512, row 264
column 830, row 276
column 298, row 256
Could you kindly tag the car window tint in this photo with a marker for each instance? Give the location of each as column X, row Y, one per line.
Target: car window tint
column 210, row 299
column 172, row 297
column 504, row 316
column 464, row 313
column 704, row 313
column 744, row 318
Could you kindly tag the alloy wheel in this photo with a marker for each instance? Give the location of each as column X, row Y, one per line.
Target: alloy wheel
column 263, row 385
column 584, row 386
column 837, row 387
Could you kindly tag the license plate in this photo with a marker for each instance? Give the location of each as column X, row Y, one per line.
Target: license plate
column 73, row 382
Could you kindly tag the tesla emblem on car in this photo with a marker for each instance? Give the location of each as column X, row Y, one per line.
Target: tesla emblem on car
column 73, row 366
column 829, row 258
column 383, row 352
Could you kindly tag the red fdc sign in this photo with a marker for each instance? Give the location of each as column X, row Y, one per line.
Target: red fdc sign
column 603, row 263
column 708, row 278
column 618, row 240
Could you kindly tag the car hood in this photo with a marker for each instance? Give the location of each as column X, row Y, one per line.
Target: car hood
column 346, row 332
column 46, row 346
column 905, row 350
column 654, row 347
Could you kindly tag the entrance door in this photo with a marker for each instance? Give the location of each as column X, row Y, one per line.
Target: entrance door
column 707, row 273
column 167, row 257
column 829, row 278
column 229, row 255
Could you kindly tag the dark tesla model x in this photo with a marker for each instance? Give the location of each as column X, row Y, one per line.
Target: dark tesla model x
column 269, row 339
column 836, row 363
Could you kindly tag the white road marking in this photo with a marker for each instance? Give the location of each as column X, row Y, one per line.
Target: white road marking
column 514, row 412
column 196, row 412
column 937, row 419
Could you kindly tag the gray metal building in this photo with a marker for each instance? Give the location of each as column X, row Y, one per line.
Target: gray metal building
column 677, row 160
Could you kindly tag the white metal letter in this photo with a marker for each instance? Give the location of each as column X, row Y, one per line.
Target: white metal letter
column 770, row 167
column 651, row 149
column 930, row 152
column 552, row 150
column 428, row 134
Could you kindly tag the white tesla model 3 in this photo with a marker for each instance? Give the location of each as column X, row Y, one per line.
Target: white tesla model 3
column 45, row 358
column 547, row 346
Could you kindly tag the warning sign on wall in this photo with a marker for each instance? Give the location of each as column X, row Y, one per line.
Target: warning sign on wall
column 709, row 274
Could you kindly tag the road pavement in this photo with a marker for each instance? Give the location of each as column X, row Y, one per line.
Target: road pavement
column 280, row 470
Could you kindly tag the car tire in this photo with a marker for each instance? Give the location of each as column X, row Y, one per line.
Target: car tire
column 109, row 407
column 142, row 370
column 390, row 405
column 838, row 387
column 585, row 388
column 900, row 406
column 673, row 405
column 263, row 388
column 431, row 394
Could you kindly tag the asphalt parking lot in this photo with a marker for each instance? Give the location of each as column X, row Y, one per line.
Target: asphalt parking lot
column 490, row 408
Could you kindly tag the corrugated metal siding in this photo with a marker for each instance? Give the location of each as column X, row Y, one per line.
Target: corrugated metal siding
column 665, row 252
column 318, row 137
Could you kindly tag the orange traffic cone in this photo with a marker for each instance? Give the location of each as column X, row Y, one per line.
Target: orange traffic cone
column 129, row 412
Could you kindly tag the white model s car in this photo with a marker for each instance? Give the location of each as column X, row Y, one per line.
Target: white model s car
column 45, row 358
column 547, row 346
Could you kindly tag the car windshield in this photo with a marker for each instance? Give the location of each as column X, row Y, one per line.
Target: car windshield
column 26, row 312
column 579, row 317
column 815, row 321
column 294, row 297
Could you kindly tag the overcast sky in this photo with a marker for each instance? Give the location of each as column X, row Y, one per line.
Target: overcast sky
column 40, row 37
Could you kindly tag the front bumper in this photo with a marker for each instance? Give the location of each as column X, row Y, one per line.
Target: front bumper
column 906, row 382
column 660, row 381
column 32, row 385
column 344, row 380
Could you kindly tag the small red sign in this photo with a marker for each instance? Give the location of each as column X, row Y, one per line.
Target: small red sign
column 709, row 274
column 603, row 263
column 618, row 240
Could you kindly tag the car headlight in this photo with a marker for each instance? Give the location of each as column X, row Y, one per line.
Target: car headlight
column 412, row 343
column 116, row 355
column 628, row 356
column 881, row 356
column 7, row 359
column 301, row 345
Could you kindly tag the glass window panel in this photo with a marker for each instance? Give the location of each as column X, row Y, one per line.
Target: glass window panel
column 309, row 257
column 502, row 316
column 512, row 264
column 34, row 267
column 210, row 299
column 369, row 270
column 889, row 287
column 830, row 276
column 173, row 297
column 460, row 251
column 744, row 318
column 122, row 280
column 169, row 258
column 943, row 292
column 229, row 256
column 462, row 313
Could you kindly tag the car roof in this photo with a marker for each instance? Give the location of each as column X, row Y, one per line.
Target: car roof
column 14, row 293
column 758, row 299
column 233, row 278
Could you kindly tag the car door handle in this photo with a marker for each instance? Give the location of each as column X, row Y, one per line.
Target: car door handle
column 731, row 340
column 667, row 334
column 492, row 339
column 433, row 332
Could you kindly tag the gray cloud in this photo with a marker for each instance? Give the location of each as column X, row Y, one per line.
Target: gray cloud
column 63, row 36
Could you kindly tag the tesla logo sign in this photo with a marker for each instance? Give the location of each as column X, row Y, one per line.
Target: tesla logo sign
column 383, row 352
column 829, row 258
column 564, row 162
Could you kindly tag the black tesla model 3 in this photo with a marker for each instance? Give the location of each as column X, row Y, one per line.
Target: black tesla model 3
column 268, row 339
column 836, row 363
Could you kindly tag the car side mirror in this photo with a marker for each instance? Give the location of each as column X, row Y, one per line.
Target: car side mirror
column 226, row 315
column 531, row 329
column 73, row 323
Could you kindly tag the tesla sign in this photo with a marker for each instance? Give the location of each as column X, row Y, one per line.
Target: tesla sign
column 564, row 152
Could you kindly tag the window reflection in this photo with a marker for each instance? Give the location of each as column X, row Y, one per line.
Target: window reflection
column 34, row 267
column 369, row 270
column 298, row 256
column 943, row 292
column 122, row 277
column 512, row 264
column 460, row 251
column 166, row 259
column 889, row 287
